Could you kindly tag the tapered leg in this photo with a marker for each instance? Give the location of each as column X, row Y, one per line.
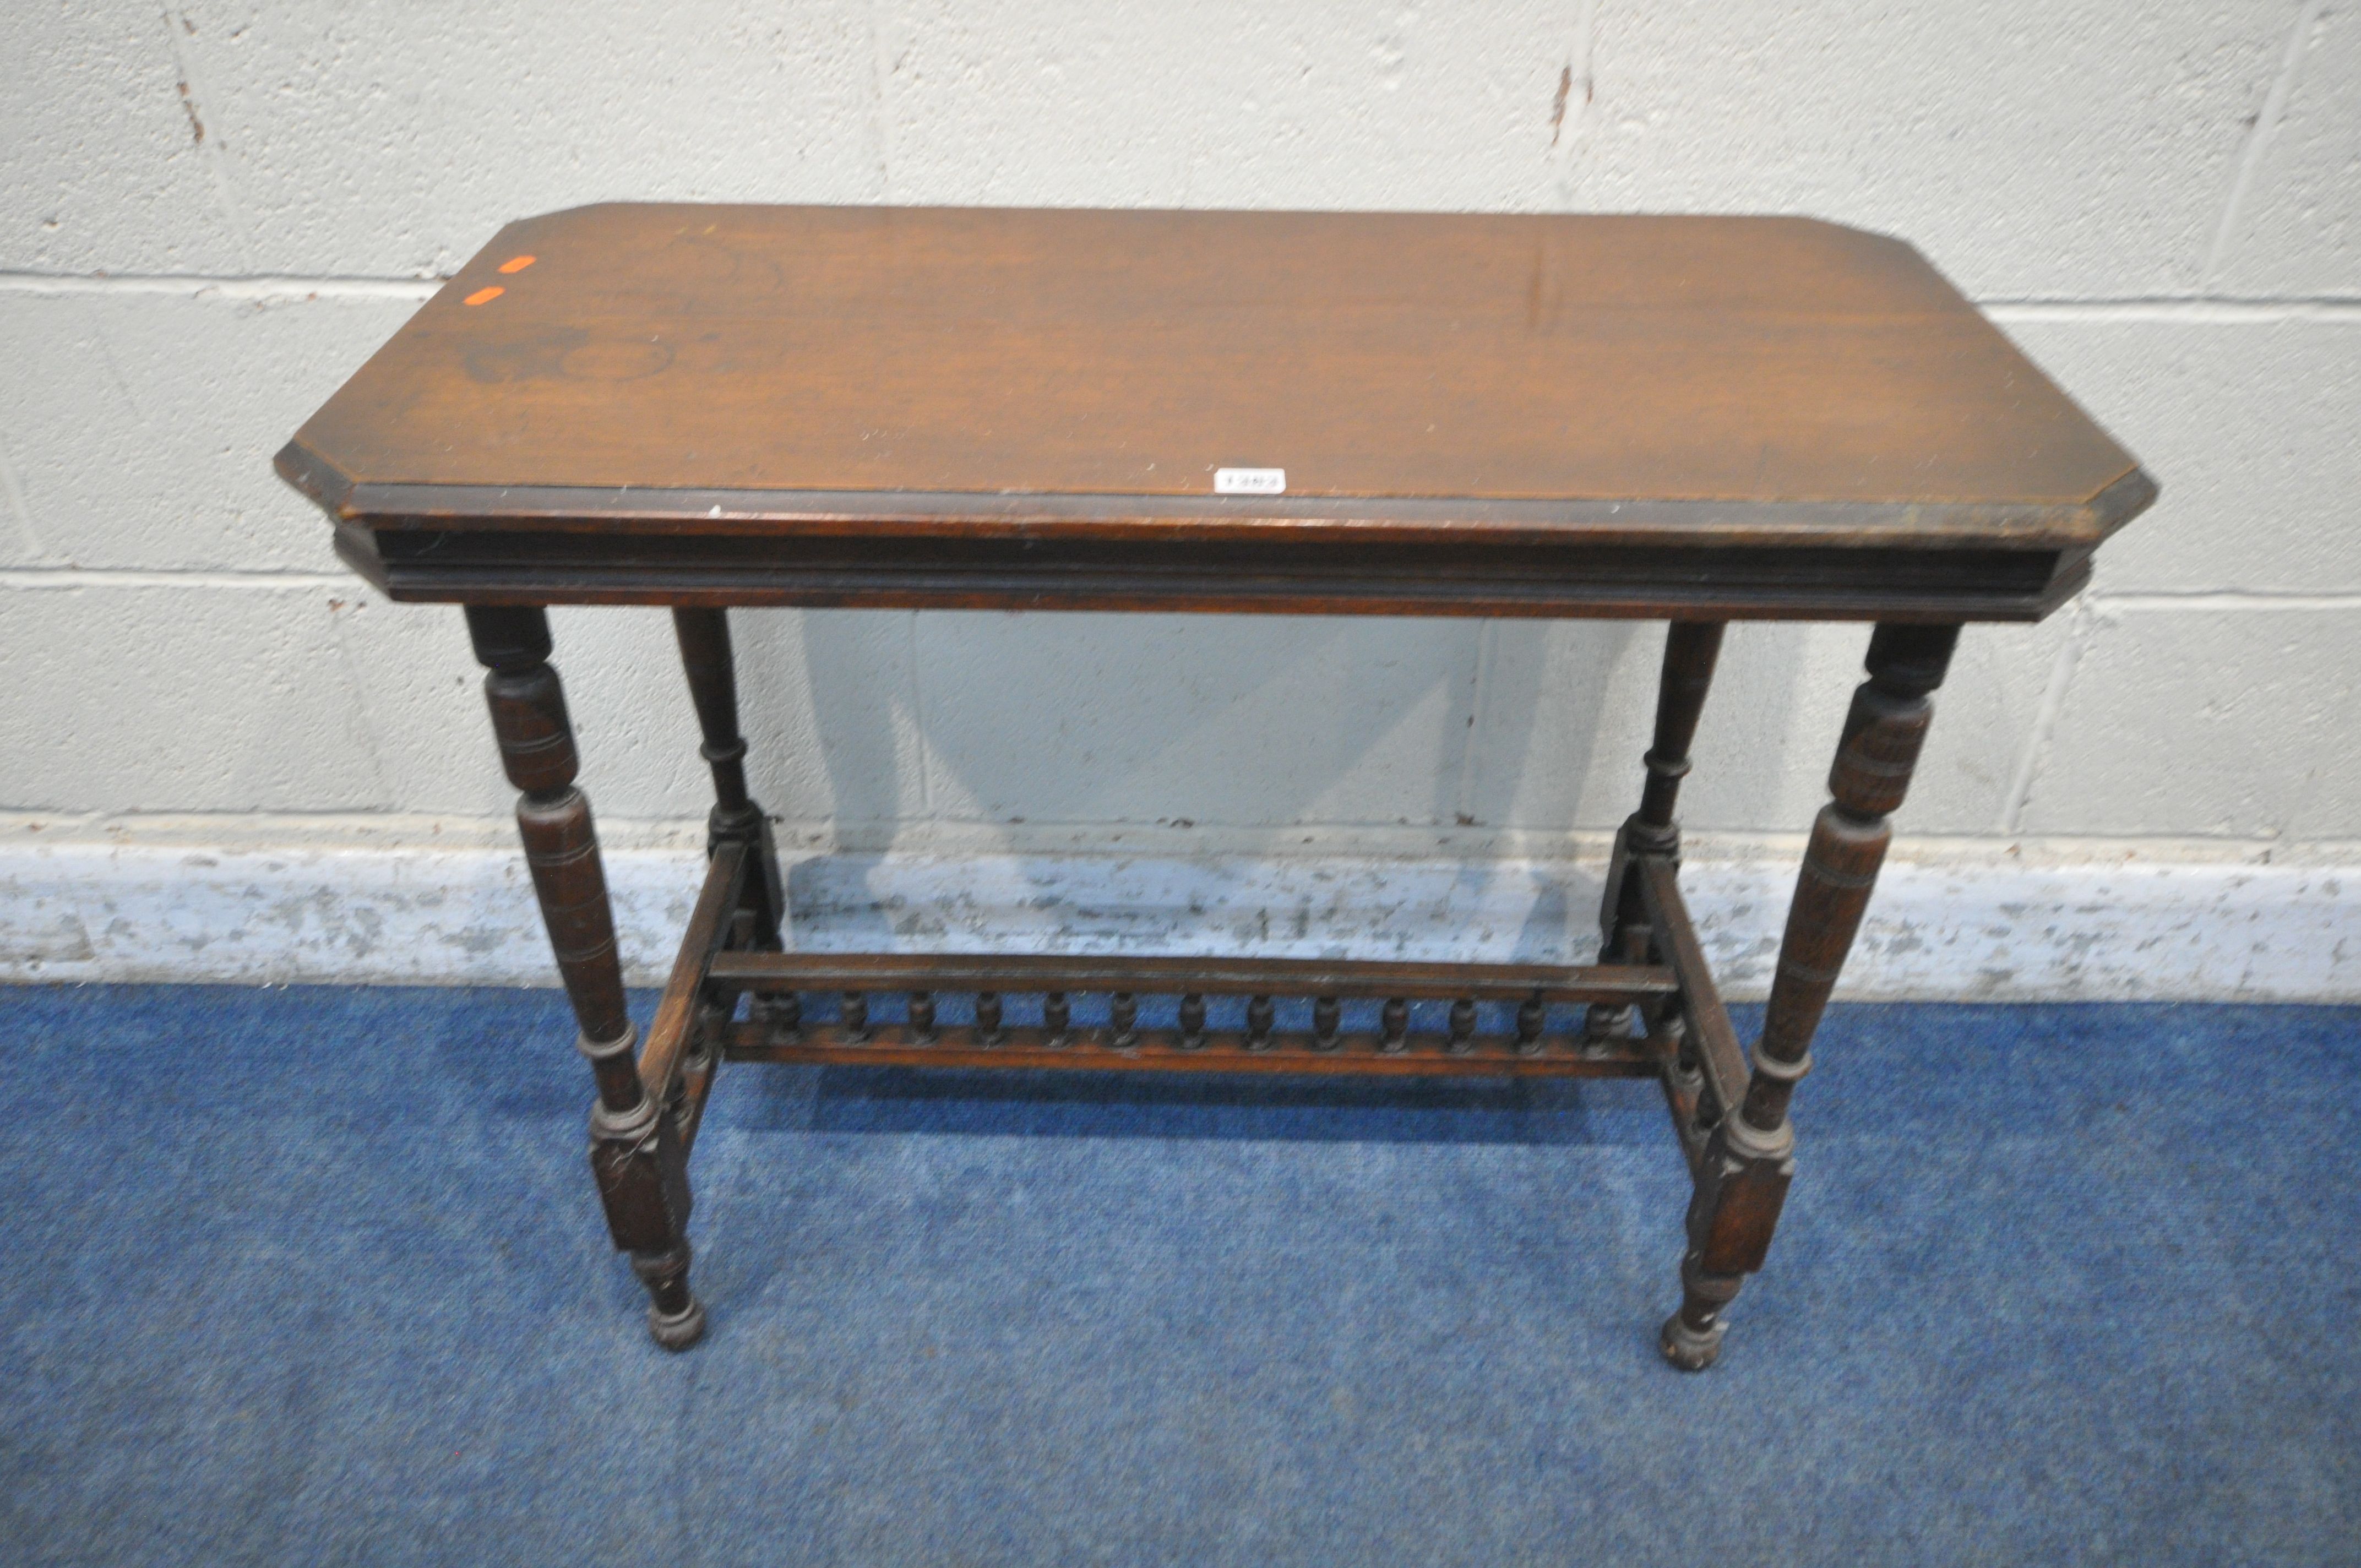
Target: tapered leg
column 1750, row 1157
column 1690, row 649
column 635, row 1151
column 713, row 686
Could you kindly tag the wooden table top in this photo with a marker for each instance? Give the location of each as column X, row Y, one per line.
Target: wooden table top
column 1469, row 414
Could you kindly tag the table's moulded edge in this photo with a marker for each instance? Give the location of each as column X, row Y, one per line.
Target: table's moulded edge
column 969, row 514
column 1296, row 556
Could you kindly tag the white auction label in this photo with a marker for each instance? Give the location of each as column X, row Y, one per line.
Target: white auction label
column 1250, row 481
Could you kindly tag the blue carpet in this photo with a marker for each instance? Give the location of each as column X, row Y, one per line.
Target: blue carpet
column 315, row 1275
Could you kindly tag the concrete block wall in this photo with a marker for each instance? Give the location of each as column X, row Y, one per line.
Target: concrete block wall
column 210, row 215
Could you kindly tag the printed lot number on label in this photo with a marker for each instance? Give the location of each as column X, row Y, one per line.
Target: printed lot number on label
column 1249, row 481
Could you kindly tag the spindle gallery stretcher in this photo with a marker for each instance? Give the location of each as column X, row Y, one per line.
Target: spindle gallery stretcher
column 1691, row 419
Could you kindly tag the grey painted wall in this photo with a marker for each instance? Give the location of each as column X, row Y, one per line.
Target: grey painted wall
column 210, row 215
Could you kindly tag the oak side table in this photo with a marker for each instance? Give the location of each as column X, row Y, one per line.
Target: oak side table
column 1685, row 419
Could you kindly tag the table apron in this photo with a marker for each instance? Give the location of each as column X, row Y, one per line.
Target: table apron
column 1575, row 581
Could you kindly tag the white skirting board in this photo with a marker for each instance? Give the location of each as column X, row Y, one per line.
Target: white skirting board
column 1994, row 924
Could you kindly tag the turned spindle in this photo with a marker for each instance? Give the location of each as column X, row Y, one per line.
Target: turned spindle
column 1056, row 1016
column 1123, row 1017
column 1676, row 1033
column 1259, row 1015
column 1530, row 1013
column 1393, row 1024
column 1192, row 1020
column 1327, row 1014
column 922, row 1016
column 1691, row 648
column 1463, row 1025
column 987, row 1016
column 711, row 667
column 853, row 1015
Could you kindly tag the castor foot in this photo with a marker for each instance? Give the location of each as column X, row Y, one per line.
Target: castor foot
column 1686, row 1348
column 678, row 1331
column 1691, row 1336
column 676, row 1318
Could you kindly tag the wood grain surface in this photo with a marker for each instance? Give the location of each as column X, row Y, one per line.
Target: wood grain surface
column 902, row 381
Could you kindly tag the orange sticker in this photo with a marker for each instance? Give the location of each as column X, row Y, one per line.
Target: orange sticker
column 516, row 264
column 482, row 295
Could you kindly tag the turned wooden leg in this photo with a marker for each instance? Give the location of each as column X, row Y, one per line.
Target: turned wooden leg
column 713, row 686
column 635, row 1150
column 1690, row 649
column 1750, row 1158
